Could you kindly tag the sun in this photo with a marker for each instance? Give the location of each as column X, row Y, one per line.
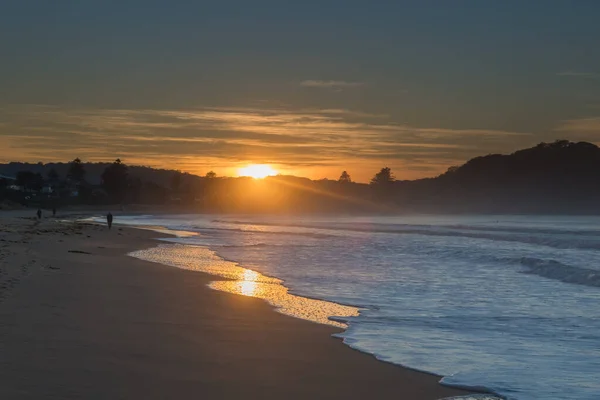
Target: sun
column 257, row 171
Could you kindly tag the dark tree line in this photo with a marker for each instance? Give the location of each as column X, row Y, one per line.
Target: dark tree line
column 115, row 180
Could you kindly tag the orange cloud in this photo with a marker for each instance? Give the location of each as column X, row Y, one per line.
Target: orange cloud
column 311, row 142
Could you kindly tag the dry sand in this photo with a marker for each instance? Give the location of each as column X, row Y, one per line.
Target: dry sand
column 81, row 320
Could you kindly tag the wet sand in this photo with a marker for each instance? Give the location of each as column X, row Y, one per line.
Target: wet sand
column 81, row 320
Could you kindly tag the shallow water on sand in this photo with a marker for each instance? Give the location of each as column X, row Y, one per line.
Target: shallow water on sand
column 247, row 282
column 511, row 304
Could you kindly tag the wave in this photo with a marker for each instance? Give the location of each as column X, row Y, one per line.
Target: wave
column 378, row 226
column 519, row 229
column 560, row 239
column 255, row 245
column 562, row 272
column 485, row 393
column 236, row 246
column 307, row 234
column 472, row 397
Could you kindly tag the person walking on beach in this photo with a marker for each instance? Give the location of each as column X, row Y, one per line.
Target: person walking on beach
column 54, row 211
column 39, row 213
column 109, row 220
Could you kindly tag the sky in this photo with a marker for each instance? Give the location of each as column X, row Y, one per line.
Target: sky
column 310, row 87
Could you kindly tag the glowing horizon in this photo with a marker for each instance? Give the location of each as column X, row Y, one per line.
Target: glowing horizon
column 257, row 171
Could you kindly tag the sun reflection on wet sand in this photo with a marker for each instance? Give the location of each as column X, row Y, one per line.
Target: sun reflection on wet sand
column 248, row 285
column 247, row 282
column 277, row 295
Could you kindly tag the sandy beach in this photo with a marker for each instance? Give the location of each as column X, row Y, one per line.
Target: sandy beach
column 79, row 319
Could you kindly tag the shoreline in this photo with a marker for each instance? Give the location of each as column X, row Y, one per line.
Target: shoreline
column 237, row 346
column 340, row 322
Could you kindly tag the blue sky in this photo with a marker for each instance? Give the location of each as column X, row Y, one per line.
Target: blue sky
column 312, row 87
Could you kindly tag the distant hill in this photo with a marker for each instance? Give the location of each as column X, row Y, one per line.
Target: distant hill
column 551, row 178
column 544, row 163
column 559, row 177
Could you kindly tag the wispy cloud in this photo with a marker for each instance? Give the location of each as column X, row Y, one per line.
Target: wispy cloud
column 208, row 138
column 581, row 125
column 330, row 84
column 579, row 74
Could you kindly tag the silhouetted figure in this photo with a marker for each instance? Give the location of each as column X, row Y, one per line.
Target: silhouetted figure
column 54, row 211
column 39, row 213
column 109, row 220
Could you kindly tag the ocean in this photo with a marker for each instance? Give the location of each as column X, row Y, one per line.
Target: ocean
column 510, row 304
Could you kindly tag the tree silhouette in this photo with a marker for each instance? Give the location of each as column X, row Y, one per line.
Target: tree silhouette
column 345, row 178
column 53, row 176
column 383, row 177
column 211, row 174
column 115, row 180
column 38, row 182
column 452, row 169
column 176, row 182
column 29, row 180
column 135, row 190
column 76, row 171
